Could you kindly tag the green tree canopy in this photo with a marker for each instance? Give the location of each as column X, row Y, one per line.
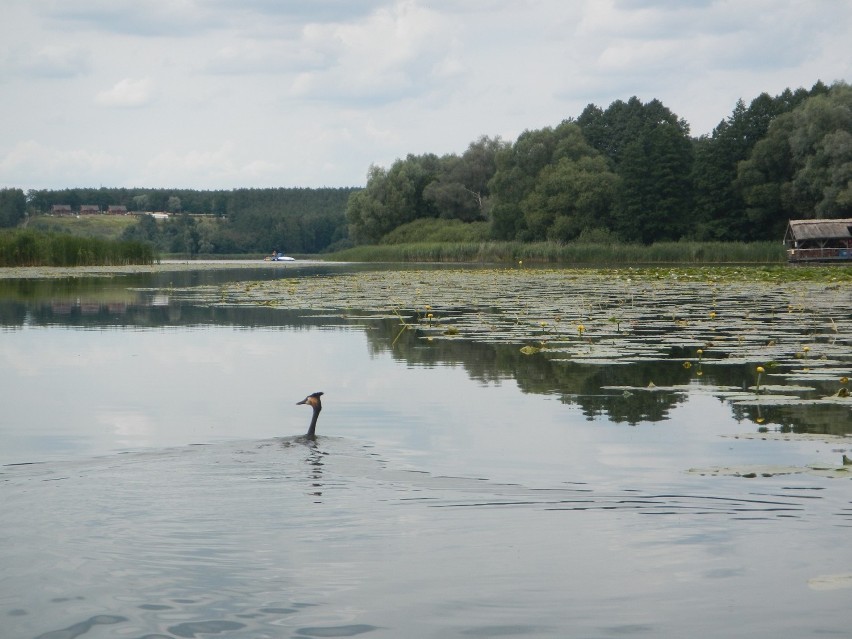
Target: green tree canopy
column 537, row 181
column 570, row 197
column 13, row 207
column 424, row 186
column 802, row 168
column 460, row 191
column 719, row 210
column 650, row 149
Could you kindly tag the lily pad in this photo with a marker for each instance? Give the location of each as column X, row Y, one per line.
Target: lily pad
column 767, row 470
column 831, row 582
column 695, row 320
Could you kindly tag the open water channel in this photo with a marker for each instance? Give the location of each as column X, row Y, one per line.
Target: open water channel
column 501, row 453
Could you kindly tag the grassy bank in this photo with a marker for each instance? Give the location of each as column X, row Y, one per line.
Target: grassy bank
column 31, row 248
column 551, row 253
column 103, row 227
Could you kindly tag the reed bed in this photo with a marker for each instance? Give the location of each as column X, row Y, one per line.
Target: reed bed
column 578, row 253
column 30, row 248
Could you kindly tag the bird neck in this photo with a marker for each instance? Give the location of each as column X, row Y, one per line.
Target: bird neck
column 313, row 427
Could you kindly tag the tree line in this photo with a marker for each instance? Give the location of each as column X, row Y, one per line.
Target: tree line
column 632, row 172
column 293, row 220
column 255, row 221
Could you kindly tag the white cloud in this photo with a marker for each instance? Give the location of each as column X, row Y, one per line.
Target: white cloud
column 35, row 165
column 195, row 160
column 226, row 164
column 170, row 165
column 267, row 92
column 126, row 93
column 48, row 61
column 395, row 52
column 181, row 18
column 242, row 56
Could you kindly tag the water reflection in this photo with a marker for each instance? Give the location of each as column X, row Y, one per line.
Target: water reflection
column 547, row 497
column 314, row 456
column 166, row 300
column 83, row 627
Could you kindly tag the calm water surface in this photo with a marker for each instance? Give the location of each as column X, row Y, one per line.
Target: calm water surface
column 154, row 484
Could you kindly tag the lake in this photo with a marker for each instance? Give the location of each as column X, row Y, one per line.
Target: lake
column 502, row 452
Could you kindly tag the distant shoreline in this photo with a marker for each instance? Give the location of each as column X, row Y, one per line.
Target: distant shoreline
column 165, row 266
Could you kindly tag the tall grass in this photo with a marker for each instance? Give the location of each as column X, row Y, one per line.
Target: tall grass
column 105, row 227
column 580, row 253
column 431, row 230
column 30, row 248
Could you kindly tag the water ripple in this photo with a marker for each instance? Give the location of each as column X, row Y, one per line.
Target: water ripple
column 279, row 536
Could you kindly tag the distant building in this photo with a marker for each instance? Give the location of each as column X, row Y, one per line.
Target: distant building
column 89, row 209
column 61, row 209
column 822, row 240
column 117, row 209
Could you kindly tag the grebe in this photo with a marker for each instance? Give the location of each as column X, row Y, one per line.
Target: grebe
column 312, row 400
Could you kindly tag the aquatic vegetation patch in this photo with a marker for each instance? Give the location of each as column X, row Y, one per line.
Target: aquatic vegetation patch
column 831, row 582
column 756, row 471
column 789, row 329
column 722, row 312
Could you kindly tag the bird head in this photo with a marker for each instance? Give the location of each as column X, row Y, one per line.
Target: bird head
column 312, row 400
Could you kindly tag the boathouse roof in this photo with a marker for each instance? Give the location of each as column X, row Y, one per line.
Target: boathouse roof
column 823, row 229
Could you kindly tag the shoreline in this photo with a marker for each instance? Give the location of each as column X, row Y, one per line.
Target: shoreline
column 833, row 273
column 165, row 266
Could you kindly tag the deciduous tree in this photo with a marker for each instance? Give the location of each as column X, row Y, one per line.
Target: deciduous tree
column 803, row 166
column 13, row 207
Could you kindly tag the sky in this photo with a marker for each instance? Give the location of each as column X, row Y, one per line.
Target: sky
column 223, row 94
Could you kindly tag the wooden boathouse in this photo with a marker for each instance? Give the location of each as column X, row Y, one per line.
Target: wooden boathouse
column 824, row 240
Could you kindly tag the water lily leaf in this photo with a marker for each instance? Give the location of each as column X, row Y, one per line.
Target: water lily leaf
column 831, row 582
column 755, row 471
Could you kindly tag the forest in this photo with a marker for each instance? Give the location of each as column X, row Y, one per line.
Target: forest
column 628, row 173
column 632, row 173
column 294, row 220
